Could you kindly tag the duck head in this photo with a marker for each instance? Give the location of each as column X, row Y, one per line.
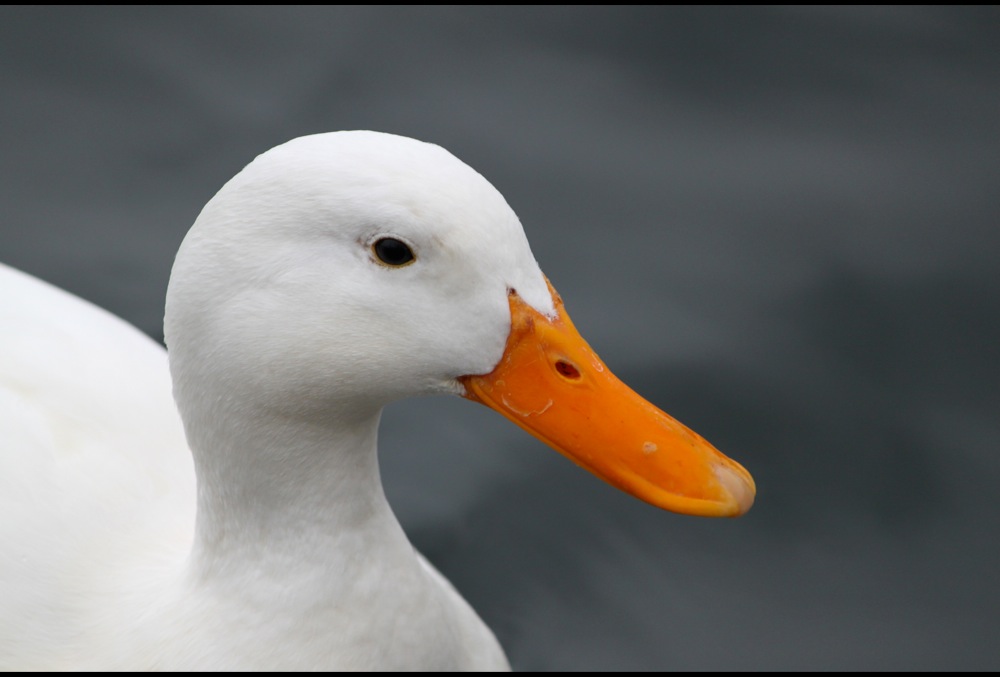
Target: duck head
column 341, row 271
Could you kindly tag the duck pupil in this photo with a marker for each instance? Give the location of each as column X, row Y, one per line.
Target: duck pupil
column 393, row 252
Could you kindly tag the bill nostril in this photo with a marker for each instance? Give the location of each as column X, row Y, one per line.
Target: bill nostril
column 567, row 370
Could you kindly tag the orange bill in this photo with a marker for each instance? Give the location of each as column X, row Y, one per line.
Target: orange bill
column 551, row 383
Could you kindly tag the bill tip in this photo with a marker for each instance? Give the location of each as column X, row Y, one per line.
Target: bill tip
column 739, row 487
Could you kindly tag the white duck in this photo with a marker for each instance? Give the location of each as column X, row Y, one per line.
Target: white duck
column 334, row 274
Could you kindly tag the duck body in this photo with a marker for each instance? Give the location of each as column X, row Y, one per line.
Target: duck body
column 251, row 531
column 97, row 569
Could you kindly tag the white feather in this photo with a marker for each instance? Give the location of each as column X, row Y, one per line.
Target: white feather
column 286, row 338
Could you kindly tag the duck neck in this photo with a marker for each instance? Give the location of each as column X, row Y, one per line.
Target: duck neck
column 273, row 488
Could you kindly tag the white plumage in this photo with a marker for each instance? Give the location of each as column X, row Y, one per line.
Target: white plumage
column 298, row 560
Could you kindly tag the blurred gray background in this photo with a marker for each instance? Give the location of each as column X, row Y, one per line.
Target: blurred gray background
column 781, row 225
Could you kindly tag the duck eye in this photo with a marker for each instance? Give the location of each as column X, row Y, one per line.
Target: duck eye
column 393, row 252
